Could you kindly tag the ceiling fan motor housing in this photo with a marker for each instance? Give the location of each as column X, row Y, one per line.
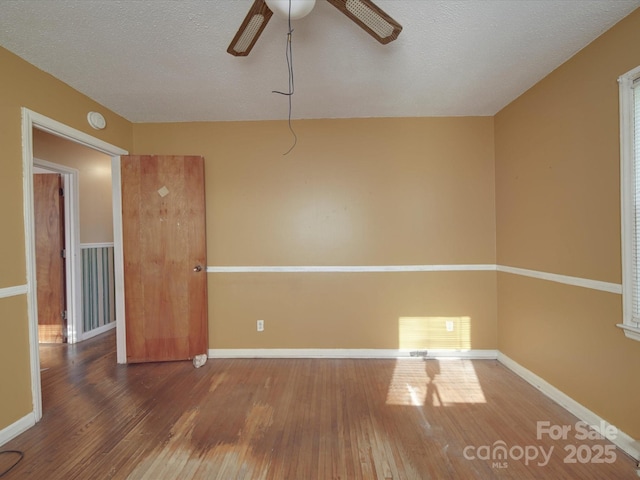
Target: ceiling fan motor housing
column 299, row 8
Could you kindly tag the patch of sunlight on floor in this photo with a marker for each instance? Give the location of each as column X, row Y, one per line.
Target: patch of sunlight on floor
column 440, row 383
column 458, row 383
column 409, row 382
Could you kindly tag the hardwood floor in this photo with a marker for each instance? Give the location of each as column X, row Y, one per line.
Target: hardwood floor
column 296, row 419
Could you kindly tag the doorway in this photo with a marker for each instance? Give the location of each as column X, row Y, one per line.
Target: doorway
column 88, row 229
column 31, row 120
column 49, row 222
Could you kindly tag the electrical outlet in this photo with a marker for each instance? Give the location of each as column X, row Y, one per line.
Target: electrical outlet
column 260, row 325
column 449, row 324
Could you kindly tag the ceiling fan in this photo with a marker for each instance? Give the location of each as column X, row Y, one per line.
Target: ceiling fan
column 363, row 12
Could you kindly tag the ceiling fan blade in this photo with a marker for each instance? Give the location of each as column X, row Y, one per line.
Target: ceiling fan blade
column 250, row 30
column 371, row 18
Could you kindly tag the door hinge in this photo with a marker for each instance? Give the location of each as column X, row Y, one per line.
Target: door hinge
column 63, row 253
column 62, row 192
column 64, row 315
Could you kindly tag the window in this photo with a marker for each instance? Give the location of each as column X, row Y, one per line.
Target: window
column 630, row 189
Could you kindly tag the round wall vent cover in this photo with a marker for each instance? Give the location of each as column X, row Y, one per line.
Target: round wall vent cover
column 96, row 120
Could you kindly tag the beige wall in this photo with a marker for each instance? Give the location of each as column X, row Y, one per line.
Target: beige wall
column 94, row 178
column 558, row 210
column 353, row 192
column 22, row 85
column 15, row 401
column 353, row 310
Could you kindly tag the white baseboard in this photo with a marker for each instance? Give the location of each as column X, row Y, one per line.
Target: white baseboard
column 97, row 331
column 347, row 353
column 623, row 441
column 16, row 428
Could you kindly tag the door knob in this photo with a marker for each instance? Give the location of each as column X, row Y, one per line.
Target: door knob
column 197, row 268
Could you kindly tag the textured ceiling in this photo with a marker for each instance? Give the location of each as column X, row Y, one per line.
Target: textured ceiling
column 164, row 61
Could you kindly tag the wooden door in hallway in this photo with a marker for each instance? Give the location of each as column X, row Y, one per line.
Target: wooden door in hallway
column 163, row 214
column 48, row 205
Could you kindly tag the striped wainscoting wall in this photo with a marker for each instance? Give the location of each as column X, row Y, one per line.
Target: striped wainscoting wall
column 98, row 287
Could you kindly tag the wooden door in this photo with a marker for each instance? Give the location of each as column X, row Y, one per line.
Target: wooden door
column 48, row 206
column 165, row 280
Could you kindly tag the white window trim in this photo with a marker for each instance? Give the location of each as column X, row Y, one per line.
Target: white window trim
column 628, row 213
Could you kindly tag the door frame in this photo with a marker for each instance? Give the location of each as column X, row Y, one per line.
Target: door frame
column 30, row 120
column 73, row 265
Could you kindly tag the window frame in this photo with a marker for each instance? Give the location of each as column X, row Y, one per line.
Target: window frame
column 629, row 170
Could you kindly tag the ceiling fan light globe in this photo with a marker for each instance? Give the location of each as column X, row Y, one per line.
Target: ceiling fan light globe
column 299, row 8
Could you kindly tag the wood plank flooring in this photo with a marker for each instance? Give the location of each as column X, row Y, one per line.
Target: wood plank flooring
column 295, row 419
